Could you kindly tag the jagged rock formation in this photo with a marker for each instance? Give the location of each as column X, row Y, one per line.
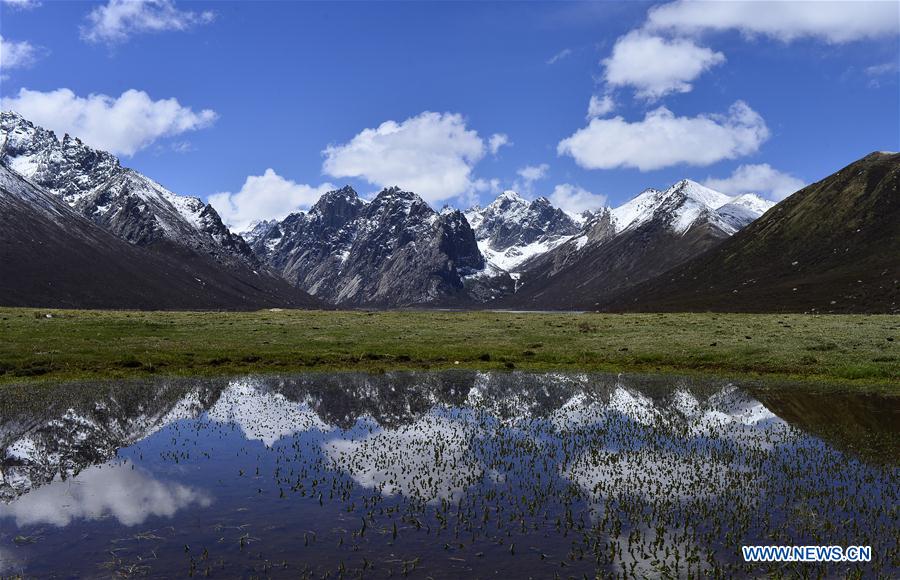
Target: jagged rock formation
column 392, row 251
column 510, row 230
column 81, row 231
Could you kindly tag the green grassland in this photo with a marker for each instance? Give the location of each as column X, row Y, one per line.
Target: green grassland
column 850, row 350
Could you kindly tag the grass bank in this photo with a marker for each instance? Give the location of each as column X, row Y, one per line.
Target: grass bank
column 852, row 350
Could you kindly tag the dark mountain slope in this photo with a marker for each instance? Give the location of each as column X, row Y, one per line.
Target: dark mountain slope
column 51, row 256
column 673, row 226
column 833, row 246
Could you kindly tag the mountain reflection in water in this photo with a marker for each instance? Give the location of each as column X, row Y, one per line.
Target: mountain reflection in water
column 440, row 474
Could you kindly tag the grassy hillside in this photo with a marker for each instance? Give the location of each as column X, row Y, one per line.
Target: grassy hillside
column 844, row 349
column 833, row 246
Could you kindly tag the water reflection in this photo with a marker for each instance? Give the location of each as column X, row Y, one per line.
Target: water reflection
column 429, row 459
column 110, row 490
column 263, row 415
column 438, row 474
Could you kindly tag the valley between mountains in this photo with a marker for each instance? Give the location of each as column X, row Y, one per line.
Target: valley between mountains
column 80, row 230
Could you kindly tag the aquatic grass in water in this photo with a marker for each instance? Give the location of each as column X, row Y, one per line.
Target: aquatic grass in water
column 441, row 475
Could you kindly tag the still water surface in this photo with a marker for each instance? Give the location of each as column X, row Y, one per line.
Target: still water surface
column 442, row 475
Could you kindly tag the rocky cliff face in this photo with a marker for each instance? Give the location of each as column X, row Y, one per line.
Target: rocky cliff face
column 392, row 251
column 81, row 231
column 52, row 256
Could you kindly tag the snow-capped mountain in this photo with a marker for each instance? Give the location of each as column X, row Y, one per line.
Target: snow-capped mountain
column 688, row 203
column 830, row 247
column 81, row 231
column 510, row 230
column 744, row 209
column 125, row 202
column 620, row 247
column 392, row 251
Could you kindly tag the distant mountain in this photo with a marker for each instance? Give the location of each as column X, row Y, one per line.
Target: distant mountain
column 833, row 246
column 392, row 251
column 52, row 256
column 621, row 247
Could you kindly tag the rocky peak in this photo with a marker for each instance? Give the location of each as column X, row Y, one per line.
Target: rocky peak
column 687, row 203
column 394, row 250
column 336, row 208
column 257, row 230
column 458, row 241
column 68, row 168
column 394, row 204
column 510, row 220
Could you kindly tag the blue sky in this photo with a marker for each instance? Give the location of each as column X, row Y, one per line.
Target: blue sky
column 761, row 98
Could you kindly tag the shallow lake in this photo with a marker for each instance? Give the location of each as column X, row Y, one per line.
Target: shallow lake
column 452, row 474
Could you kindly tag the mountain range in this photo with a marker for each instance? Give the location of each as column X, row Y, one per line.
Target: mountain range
column 80, row 230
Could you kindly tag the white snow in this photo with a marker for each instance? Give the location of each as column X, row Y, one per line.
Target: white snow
column 511, row 208
column 508, row 259
column 638, row 209
column 688, row 202
column 24, row 165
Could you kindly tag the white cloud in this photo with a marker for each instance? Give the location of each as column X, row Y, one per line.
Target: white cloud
column 122, row 125
column 661, row 139
column 15, row 54
column 559, row 56
column 533, row 172
column 498, row 140
column 834, row 22
column 877, row 73
column 131, row 496
column 762, row 179
column 656, row 66
column 487, row 185
column 883, row 69
column 264, row 197
column 22, row 4
column 600, row 106
column 431, row 154
column 529, row 174
column 574, row 199
column 118, row 20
